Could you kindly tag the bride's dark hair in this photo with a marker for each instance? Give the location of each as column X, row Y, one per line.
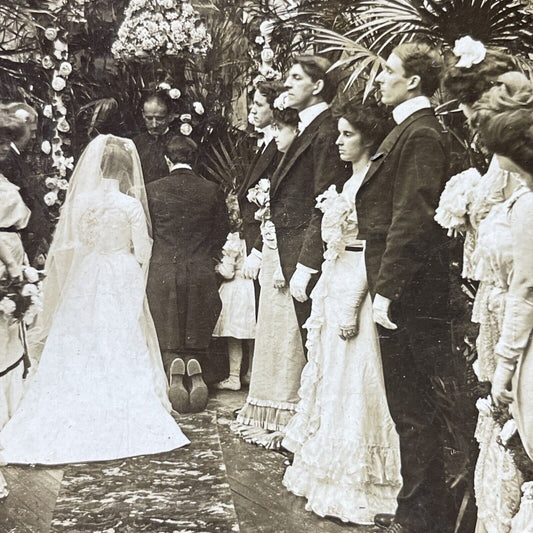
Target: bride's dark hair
column 504, row 119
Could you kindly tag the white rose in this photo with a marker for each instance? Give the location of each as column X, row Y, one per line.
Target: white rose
column 267, row 55
column 63, row 126
column 65, row 69
column 46, row 147
column 7, row 306
column 198, row 108
column 266, row 27
column 50, row 33
column 186, row 129
column 469, row 51
column 62, row 184
column 259, row 39
column 31, row 274
column 29, row 317
column 50, row 198
column 174, row 94
column 36, row 302
column 29, row 290
column 58, row 83
column 186, row 117
column 47, row 62
column 48, row 112
column 164, row 86
column 51, row 183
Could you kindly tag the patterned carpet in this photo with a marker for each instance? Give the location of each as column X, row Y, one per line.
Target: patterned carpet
column 183, row 491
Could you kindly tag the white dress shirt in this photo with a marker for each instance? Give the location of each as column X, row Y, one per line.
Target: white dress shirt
column 309, row 114
column 407, row 108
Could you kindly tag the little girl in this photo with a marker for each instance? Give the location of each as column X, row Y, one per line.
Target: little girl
column 237, row 318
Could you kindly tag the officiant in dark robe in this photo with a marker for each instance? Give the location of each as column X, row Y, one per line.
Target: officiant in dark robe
column 157, row 116
column 190, row 225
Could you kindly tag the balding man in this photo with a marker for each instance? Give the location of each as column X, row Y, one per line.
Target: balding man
column 37, row 235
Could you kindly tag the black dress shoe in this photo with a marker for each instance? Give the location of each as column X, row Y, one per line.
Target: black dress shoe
column 383, row 520
column 198, row 394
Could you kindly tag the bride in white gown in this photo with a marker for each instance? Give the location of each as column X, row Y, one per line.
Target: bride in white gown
column 99, row 392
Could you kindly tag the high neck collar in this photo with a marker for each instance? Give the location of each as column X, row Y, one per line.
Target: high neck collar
column 406, row 109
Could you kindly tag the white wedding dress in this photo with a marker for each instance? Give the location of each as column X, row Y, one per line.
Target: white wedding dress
column 99, row 392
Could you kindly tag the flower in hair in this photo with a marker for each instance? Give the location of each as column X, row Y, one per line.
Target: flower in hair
column 280, row 102
column 469, row 51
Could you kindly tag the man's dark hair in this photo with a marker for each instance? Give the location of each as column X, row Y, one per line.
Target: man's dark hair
column 424, row 61
column 181, row 149
column 316, row 67
column 270, row 90
column 11, row 128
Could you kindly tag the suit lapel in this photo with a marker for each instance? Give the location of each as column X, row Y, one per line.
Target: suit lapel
column 390, row 141
column 262, row 163
column 299, row 145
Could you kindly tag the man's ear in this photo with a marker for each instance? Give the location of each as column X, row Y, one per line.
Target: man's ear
column 319, row 85
column 414, row 83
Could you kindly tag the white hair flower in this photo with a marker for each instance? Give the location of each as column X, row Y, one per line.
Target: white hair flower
column 469, row 51
column 280, row 102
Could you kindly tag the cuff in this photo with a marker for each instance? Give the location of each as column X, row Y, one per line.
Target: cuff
column 255, row 252
column 307, row 270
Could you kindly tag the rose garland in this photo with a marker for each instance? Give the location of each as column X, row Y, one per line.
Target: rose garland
column 56, row 112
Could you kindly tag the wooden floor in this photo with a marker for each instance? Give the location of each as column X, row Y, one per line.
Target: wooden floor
column 262, row 504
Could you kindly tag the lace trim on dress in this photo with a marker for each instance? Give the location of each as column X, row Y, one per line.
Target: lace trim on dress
column 267, row 414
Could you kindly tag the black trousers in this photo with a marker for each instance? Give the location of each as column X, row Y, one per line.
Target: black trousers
column 413, row 356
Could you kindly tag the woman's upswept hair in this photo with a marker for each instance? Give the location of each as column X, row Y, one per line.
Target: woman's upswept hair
column 504, row 119
column 369, row 118
column 286, row 116
column 467, row 85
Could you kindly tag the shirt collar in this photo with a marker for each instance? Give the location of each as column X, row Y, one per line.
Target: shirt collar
column 177, row 166
column 267, row 137
column 309, row 114
column 407, row 108
column 14, row 148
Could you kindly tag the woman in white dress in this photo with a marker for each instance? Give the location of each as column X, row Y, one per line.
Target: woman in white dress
column 99, row 392
column 346, row 450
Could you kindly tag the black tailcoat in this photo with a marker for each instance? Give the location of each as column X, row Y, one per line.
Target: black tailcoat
column 407, row 261
column 190, row 225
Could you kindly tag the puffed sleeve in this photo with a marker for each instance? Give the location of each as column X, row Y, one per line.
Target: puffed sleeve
column 13, row 211
column 142, row 243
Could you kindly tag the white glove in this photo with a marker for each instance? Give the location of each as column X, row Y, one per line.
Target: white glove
column 298, row 284
column 380, row 311
column 501, row 382
column 252, row 265
column 347, row 332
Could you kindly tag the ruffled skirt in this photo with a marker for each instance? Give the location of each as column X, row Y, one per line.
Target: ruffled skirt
column 347, row 460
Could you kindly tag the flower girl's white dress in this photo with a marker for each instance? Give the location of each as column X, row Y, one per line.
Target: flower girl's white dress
column 98, row 393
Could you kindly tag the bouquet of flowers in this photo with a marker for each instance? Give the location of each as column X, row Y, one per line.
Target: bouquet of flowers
column 20, row 298
column 230, row 253
column 260, row 196
column 154, row 28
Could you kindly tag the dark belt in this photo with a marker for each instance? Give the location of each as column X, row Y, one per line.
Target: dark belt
column 354, row 248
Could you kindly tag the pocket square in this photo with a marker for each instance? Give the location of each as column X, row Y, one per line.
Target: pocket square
column 377, row 156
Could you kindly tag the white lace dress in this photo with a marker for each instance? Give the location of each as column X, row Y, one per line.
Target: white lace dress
column 347, row 459
column 97, row 393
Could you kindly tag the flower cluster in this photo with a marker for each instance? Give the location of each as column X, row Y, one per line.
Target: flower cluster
column 455, row 201
column 260, row 196
column 21, row 298
column 155, row 28
column 56, row 112
column 469, row 51
column 339, row 218
column 280, row 103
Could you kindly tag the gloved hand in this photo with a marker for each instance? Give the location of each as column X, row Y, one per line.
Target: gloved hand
column 347, row 332
column 380, row 311
column 298, row 284
column 252, row 265
column 501, row 382
column 226, row 267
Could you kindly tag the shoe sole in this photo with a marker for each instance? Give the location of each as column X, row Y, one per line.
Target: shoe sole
column 177, row 393
column 198, row 395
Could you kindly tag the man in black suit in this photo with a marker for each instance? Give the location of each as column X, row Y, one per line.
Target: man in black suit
column 308, row 168
column 407, row 266
column 37, row 235
column 190, row 225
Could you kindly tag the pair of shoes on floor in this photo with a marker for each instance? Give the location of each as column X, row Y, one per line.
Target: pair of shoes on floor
column 183, row 401
column 388, row 524
column 230, row 383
